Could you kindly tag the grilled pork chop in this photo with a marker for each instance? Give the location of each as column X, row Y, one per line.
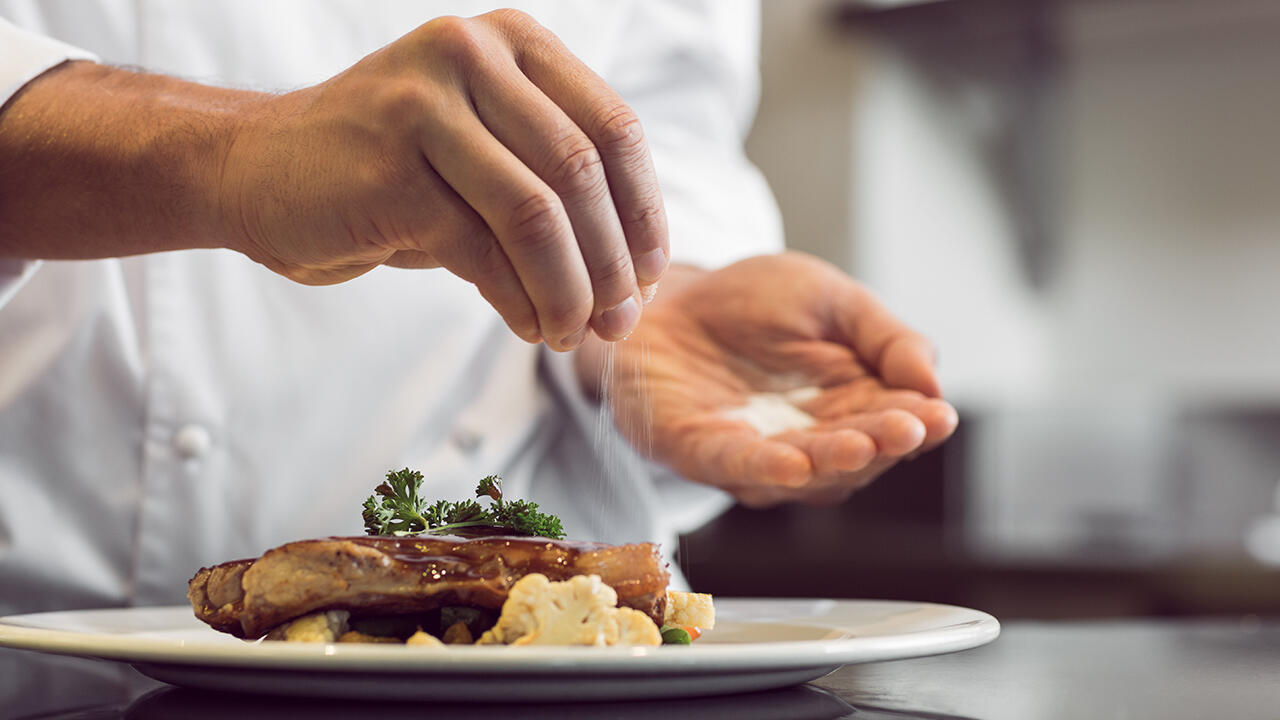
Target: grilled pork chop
column 384, row 576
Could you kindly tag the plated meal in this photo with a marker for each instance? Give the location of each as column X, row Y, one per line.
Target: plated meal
column 450, row 573
column 420, row 608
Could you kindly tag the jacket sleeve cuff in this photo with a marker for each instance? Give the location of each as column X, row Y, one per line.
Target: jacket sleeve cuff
column 713, row 229
column 24, row 55
column 13, row 275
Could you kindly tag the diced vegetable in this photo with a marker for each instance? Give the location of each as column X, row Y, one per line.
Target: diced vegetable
column 676, row 635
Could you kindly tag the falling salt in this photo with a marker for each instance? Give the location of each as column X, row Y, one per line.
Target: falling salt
column 634, row 423
column 771, row 413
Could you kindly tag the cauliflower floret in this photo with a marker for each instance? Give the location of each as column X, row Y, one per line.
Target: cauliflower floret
column 686, row 608
column 579, row 611
column 635, row 628
column 354, row 636
column 424, row 639
column 321, row 627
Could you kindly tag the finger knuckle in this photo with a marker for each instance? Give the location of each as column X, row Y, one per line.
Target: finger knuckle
column 488, row 261
column 898, row 419
column 613, row 272
column 520, row 30
column 524, row 325
column 566, row 313
column 649, row 214
column 618, row 131
column 400, row 103
column 538, row 224
column 460, row 40
column 511, row 19
column 515, row 312
column 579, row 169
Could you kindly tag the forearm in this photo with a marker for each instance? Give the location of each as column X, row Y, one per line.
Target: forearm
column 101, row 162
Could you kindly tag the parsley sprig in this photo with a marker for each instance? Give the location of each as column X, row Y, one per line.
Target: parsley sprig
column 397, row 508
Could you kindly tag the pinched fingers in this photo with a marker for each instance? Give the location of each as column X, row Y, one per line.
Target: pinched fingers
column 462, row 242
column 615, row 133
column 563, row 157
column 554, row 162
column 527, row 218
column 486, row 267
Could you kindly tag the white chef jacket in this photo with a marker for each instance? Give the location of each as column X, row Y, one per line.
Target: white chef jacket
column 174, row 410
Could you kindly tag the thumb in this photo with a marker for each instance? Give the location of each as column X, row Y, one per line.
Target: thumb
column 908, row 361
column 901, row 357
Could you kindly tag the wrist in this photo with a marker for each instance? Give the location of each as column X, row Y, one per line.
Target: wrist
column 220, row 167
column 194, row 149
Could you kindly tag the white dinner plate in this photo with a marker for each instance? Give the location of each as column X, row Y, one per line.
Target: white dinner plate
column 756, row 645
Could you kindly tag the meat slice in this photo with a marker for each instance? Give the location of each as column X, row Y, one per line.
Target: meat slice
column 387, row 575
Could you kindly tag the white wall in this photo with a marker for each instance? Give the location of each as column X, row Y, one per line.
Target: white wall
column 801, row 136
column 1171, row 271
column 1164, row 291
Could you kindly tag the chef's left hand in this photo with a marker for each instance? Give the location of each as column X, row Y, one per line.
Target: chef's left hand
column 772, row 324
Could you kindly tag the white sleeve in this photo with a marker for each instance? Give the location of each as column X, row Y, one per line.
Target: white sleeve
column 23, row 57
column 690, row 71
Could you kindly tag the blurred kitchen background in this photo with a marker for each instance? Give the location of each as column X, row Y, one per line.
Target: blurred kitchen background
column 1079, row 201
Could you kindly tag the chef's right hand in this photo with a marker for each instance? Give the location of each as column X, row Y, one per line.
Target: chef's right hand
column 480, row 145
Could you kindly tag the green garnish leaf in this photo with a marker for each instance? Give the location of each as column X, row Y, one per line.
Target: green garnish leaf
column 524, row 518
column 397, row 508
column 491, row 486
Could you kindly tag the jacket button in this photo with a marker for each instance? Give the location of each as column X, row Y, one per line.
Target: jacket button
column 192, row 441
column 467, row 440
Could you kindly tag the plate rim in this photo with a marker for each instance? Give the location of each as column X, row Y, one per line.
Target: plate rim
column 979, row 629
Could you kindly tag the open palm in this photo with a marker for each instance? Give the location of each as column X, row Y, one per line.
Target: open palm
column 708, row 381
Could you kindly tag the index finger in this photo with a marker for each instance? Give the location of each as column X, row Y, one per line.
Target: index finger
column 615, row 131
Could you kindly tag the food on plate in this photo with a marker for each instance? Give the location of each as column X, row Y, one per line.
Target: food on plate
column 398, row 508
column 691, row 609
column 388, row 576
column 579, row 611
column 687, row 615
column 498, row 577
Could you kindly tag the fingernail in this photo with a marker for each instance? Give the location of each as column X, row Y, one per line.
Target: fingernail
column 620, row 319
column 650, row 266
column 648, row 293
column 574, row 340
